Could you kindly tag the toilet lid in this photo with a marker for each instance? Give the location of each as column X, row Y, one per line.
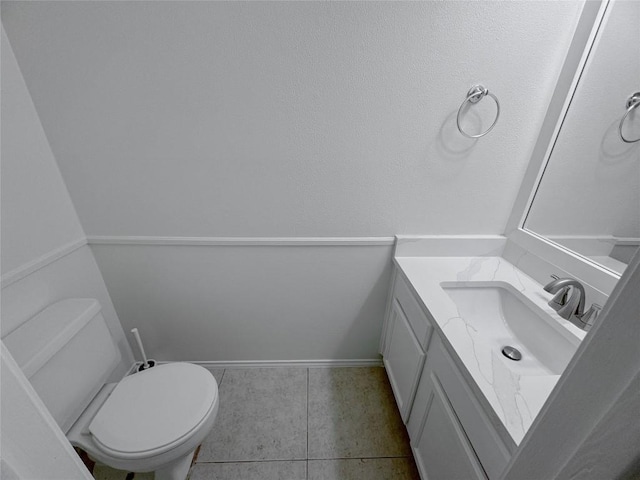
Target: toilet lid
column 153, row 408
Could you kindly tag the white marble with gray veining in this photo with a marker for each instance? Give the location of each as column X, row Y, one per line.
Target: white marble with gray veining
column 516, row 400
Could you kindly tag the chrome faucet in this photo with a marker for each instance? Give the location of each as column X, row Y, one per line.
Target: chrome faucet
column 571, row 307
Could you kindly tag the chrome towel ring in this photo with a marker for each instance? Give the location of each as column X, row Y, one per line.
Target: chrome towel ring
column 633, row 102
column 474, row 95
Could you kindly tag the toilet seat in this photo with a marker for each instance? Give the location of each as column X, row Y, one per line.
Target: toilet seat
column 155, row 410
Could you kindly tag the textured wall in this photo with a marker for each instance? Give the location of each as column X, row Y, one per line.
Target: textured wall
column 280, row 119
column 38, row 218
column 289, row 118
column 250, row 303
column 36, row 211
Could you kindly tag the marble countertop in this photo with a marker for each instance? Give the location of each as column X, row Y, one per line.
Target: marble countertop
column 515, row 400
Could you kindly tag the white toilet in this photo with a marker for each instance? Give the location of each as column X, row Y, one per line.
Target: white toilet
column 149, row 421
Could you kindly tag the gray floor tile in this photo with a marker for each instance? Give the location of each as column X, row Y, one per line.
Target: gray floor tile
column 102, row 472
column 353, row 414
column 358, row 469
column 262, row 416
column 218, row 374
column 296, row 470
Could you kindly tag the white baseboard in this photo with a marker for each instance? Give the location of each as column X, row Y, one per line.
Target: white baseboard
column 367, row 362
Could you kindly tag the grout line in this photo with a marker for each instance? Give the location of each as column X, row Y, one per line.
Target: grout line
column 307, row 455
column 362, row 457
column 302, row 459
column 299, row 460
column 300, row 363
column 306, row 460
column 252, row 461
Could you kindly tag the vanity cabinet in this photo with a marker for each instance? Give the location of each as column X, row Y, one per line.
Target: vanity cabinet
column 403, row 359
column 440, row 446
column 407, row 335
column 451, row 433
column 479, row 437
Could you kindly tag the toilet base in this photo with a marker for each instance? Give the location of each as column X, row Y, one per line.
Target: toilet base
column 169, row 464
column 176, row 470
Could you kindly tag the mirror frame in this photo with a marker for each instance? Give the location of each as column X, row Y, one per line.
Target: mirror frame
column 592, row 19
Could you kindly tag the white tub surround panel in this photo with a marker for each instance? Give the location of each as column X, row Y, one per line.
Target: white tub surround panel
column 258, row 300
column 514, row 400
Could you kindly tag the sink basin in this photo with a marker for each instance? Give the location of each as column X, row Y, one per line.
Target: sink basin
column 497, row 315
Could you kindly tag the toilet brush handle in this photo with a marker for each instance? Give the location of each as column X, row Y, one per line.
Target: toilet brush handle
column 139, row 342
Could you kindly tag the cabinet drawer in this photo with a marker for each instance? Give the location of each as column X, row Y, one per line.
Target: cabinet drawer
column 489, row 447
column 417, row 319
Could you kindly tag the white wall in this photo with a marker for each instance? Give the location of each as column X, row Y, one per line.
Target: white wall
column 38, row 220
column 251, row 303
column 34, row 198
column 280, row 119
column 275, row 119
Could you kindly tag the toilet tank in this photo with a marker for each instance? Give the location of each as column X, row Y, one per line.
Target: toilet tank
column 67, row 353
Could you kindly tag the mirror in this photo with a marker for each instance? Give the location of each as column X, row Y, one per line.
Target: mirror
column 588, row 196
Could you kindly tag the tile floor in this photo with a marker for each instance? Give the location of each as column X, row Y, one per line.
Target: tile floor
column 301, row 424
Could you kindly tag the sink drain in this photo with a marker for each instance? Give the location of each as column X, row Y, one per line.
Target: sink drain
column 512, row 353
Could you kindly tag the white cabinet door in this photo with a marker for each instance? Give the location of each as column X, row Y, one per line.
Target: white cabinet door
column 403, row 360
column 442, row 450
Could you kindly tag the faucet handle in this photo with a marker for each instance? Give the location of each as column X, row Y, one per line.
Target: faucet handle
column 588, row 317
